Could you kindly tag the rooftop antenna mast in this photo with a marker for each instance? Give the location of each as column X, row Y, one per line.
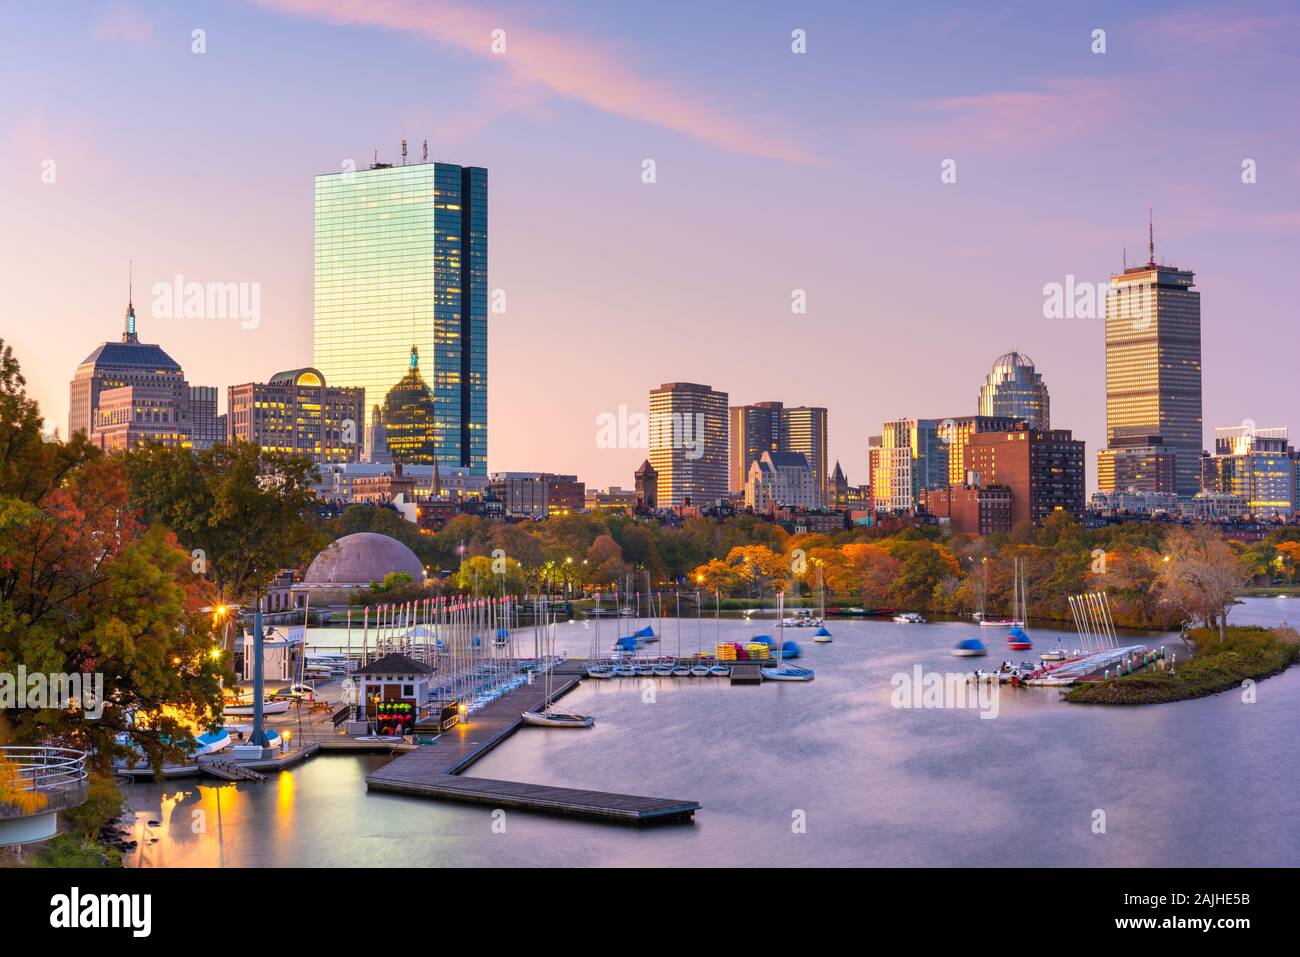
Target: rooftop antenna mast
column 425, row 157
column 1151, row 239
column 403, row 150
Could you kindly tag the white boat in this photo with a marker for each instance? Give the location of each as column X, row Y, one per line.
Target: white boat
column 600, row 672
column 557, row 719
column 782, row 671
column 699, row 671
column 1002, row 623
column 681, row 671
column 246, row 710
column 720, row 671
column 663, row 670
column 909, row 618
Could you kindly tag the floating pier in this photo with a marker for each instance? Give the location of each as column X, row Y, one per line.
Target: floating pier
column 432, row 770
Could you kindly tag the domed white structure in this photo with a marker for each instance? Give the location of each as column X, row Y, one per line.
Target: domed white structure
column 357, row 560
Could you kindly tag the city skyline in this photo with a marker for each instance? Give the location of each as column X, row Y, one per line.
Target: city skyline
column 217, row 212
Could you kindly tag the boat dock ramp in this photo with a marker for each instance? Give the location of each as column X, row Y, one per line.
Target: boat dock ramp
column 432, row 771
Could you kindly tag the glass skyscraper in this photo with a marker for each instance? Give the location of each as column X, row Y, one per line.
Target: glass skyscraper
column 1153, row 372
column 402, row 259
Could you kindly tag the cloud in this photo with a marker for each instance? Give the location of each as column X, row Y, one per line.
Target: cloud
column 579, row 67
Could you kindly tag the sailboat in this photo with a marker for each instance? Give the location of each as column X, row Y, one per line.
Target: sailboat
column 822, row 635
column 548, row 717
column 599, row 669
column 782, row 671
column 662, row 668
column 1018, row 637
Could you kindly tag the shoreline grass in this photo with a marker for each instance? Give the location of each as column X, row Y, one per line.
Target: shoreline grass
column 1247, row 652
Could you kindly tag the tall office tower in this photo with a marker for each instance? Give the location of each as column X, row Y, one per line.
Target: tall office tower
column 208, row 428
column 1258, row 465
column 755, row 429
column 402, row 256
column 1153, row 368
column 1013, row 389
column 913, row 457
column 128, row 362
column 688, row 443
column 803, row 430
column 298, row 414
column 1042, row 467
column 957, row 433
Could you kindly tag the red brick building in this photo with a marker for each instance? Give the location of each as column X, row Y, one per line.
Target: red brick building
column 1043, row 468
column 971, row 509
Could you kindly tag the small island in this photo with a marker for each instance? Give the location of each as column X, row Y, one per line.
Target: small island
column 1220, row 663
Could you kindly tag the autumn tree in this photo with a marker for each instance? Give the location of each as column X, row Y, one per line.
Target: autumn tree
column 87, row 589
column 1201, row 575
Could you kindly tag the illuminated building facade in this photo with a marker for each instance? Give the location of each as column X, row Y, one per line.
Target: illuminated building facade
column 1256, row 464
column 1013, row 389
column 689, row 443
column 911, row 457
column 1153, row 371
column 1043, row 468
column 297, row 413
column 754, row 429
column 957, row 432
column 402, row 256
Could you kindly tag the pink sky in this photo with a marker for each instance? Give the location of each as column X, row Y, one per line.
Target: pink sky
column 776, row 171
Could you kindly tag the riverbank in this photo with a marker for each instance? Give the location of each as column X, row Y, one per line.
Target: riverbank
column 1246, row 653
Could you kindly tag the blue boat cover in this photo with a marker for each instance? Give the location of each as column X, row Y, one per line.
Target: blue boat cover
column 972, row 644
column 626, row 643
column 646, row 632
column 821, row 632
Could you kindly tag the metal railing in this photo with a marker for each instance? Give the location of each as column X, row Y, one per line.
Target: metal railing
column 43, row 769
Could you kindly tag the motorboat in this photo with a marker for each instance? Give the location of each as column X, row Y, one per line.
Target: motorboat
column 909, row 618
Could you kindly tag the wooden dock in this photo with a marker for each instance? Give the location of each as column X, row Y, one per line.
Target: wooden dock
column 746, row 673
column 431, row 771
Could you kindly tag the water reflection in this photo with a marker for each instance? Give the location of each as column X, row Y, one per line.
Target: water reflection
column 1207, row 782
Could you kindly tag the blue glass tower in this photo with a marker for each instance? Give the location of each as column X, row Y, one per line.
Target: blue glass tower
column 402, row 259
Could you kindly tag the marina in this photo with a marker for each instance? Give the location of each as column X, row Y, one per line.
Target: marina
column 879, row 785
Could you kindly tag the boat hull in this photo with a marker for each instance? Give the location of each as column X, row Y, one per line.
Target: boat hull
column 544, row 719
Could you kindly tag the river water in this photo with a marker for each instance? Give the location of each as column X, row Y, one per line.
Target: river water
column 822, row 773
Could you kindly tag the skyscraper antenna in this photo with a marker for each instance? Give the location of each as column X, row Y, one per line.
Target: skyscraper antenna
column 403, row 150
column 425, row 158
column 1151, row 238
column 1126, row 259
